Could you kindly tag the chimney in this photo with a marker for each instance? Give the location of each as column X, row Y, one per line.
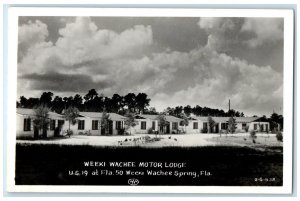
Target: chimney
column 229, row 105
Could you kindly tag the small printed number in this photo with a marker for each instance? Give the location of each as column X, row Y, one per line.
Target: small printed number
column 261, row 179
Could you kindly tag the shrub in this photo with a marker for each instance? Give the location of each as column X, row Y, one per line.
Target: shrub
column 156, row 139
column 88, row 132
column 121, row 131
column 150, row 131
column 147, row 138
column 211, row 124
column 279, row 136
column 261, row 128
column 247, row 128
column 231, row 125
column 56, row 132
column 253, row 134
column 204, row 130
column 69, row 133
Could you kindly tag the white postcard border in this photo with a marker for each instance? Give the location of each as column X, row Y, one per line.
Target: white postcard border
column 13, row 14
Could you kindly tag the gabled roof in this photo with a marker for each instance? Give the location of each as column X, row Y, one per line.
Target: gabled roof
column 98, row 115
column 246, row 119
column 216, row 119
column 225, row 119
column 155, row 117
column 30, row 113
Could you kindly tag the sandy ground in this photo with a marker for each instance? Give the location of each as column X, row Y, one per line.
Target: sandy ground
column 262, row 140
column 184, row 140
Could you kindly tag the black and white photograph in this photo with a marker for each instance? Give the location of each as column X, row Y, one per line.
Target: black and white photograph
column 150, row 101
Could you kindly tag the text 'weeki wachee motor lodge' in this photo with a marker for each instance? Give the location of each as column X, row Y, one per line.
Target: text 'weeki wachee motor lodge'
column 90, row 123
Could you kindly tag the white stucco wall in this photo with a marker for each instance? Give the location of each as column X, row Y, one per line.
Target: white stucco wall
column 88, row 126
column 138, row 129
column 265, row 125
column 189, row 128
column 20, row 128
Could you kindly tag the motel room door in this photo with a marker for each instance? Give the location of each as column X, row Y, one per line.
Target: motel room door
column 168, row 129
column 110, row 127
column 217, row 128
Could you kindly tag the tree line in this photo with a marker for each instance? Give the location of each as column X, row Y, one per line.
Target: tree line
column 201, row 111
column 129, row 103
column 94, row 102
column 91, row 102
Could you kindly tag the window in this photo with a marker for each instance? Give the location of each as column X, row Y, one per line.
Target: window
column 60, row 123
column 195, row 125
column 27, row 124
column 95, row 124
column 143, row 125
column 255, row 126
column 118, row 124
column 52, row 124
column 244, row 126
column 224, row 126
column 205, row 126
column 80, row 124
column 261, row 127
column 174, row 125
column 153, row 125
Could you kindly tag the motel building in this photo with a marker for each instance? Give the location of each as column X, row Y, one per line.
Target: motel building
column 25, row 126
column 147, row 122
column 87, row 123
column 90, row 123
column 201, row 125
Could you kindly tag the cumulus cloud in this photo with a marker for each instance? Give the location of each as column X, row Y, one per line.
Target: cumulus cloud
column 221, row 77
column 31, row 34
column 224, row 33
column 266, row 30
column 64, row 82
column 86, row 56
column 83, row 50
column 82, row 47
column 215, row 23
column 83, row 41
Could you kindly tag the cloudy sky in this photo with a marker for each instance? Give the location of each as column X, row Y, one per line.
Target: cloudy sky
column 176, row 61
